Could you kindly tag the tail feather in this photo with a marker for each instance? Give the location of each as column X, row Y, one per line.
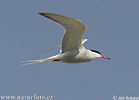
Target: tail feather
column 30, row 63
column 33, row 61
column 50, row 59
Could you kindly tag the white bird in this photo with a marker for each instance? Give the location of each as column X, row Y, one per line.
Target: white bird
column 72, row 49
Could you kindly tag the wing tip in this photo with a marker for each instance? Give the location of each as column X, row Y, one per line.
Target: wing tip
column 41, row 13
column 44, row 13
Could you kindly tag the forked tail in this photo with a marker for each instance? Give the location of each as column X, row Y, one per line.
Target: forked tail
column 33, row 61
column 50, row 59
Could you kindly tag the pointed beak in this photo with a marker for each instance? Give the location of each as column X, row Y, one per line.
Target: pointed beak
column 105, row 57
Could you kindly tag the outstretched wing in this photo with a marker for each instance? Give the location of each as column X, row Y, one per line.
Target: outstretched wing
column 74, row 30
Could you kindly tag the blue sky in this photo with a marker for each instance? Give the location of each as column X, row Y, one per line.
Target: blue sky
column 113, row 29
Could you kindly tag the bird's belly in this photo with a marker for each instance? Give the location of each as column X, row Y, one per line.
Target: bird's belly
column 74, row 58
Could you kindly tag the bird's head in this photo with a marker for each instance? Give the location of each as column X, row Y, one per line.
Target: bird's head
column 99, row 54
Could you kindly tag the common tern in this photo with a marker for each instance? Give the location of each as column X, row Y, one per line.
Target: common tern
column 72, row 49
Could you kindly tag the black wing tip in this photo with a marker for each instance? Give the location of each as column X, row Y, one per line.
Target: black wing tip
column 45, row 14
column 41, row 13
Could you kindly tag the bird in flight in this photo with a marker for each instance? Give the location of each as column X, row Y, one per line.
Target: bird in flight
column 72, row 49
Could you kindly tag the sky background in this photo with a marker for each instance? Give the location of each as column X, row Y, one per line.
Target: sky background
column 112, row 29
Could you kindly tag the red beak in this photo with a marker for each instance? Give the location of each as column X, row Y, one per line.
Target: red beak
column 105, row 57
